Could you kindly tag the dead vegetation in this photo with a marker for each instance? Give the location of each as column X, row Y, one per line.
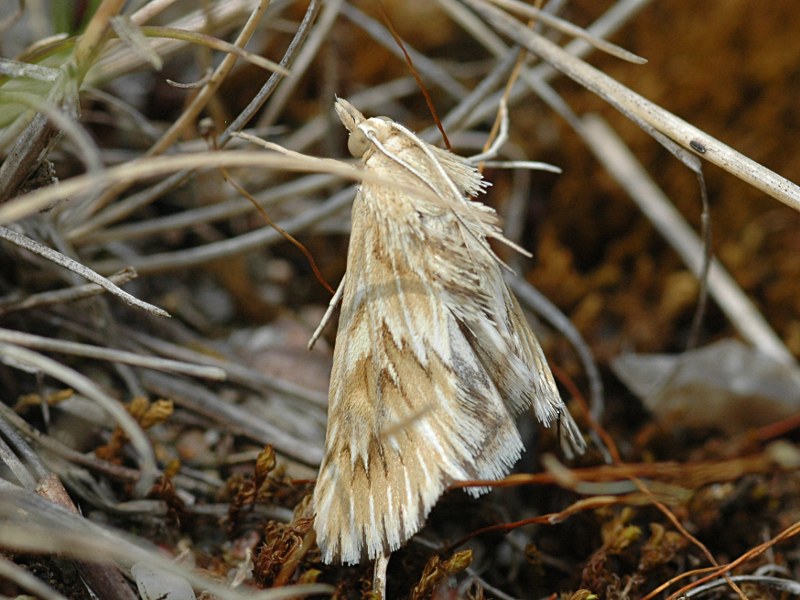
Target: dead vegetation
column 144, row 454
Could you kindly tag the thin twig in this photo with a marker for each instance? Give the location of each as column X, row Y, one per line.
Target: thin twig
column 56, row 257
column 67, row 295
column 302, row 61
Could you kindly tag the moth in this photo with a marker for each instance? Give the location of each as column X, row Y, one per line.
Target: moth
column 433, row 359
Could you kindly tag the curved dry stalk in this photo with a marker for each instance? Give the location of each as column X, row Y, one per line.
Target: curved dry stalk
column 14, row 356
column 146, row 168
column 134, row 37
column 215, row 43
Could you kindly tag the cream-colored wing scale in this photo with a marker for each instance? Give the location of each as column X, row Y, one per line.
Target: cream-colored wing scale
column 433, row 355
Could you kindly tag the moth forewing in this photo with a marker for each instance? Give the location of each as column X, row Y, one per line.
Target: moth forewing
column 433, row 356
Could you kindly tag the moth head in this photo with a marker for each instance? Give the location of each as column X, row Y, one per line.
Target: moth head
column 361, row 129
column 360, row 138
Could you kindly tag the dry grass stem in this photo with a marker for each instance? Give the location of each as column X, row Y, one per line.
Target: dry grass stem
column 621, row 163
column 644, row 111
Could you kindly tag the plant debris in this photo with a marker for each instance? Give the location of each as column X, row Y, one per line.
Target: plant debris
column 162, row 421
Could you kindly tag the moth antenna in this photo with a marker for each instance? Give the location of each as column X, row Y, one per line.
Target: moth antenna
column 371, row 137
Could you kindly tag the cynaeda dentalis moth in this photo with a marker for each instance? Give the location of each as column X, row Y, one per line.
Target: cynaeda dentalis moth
column 433, row 358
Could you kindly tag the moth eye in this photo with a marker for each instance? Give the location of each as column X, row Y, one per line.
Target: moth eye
column 357, row 143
